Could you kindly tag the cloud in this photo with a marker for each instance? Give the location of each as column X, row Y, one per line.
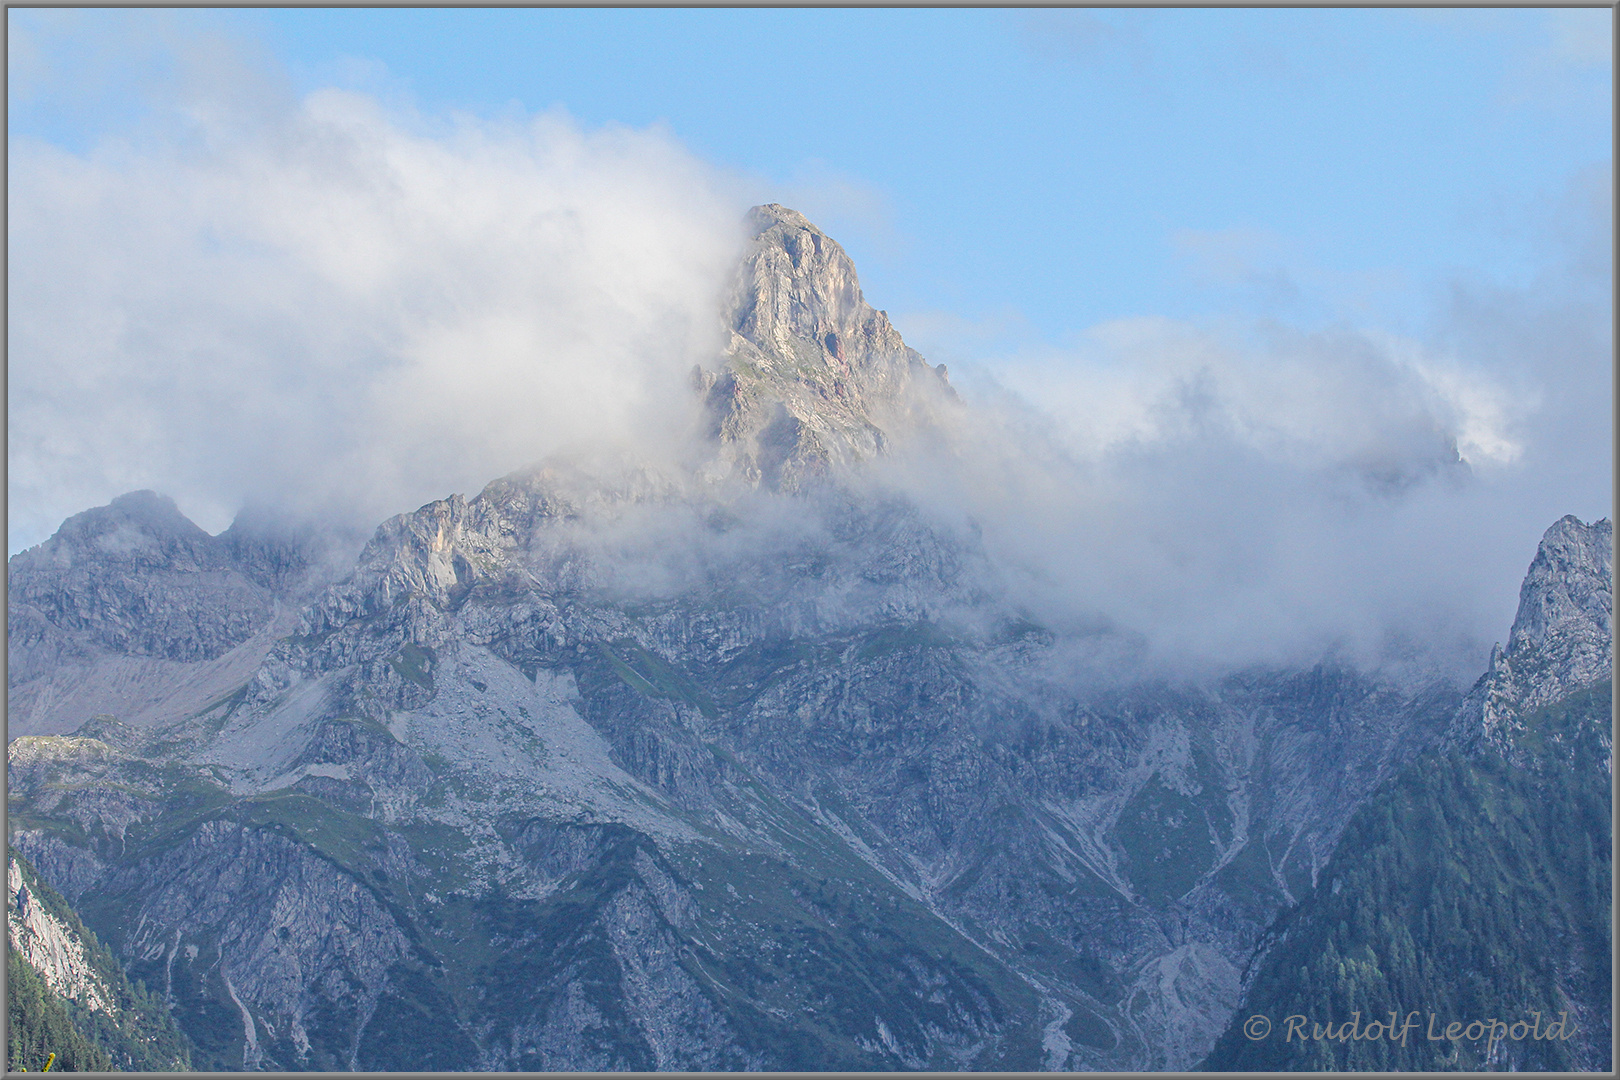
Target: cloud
column 1243, row 259
column 1582, row 222
column 1227, row 256
column 1261, row 270
column 951, row 337
column 1338, row 399
column 345, row 307
column 331, row 305
column 1225, row 493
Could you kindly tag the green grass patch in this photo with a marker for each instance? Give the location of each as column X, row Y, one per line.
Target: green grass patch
column 652, row 676
column 414, row 663
column 349, row 840
column 1166, row 839
column 919, row 635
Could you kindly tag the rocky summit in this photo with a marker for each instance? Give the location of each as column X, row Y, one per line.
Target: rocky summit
column 813, row 377
column 745, row 764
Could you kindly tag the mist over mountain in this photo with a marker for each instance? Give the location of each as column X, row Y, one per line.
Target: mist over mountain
column 338, row 309
column 836, row 719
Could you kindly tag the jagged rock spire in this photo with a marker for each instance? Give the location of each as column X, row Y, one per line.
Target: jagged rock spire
column 813, row 374
column 797, row 287
column 1562, row 638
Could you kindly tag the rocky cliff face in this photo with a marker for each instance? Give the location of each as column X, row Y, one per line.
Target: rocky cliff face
column 131, row 609
column 135, row 577
column 813, row 375
column 68, row 996
column 606, row 767
column 51, row 948
column 1562, row 638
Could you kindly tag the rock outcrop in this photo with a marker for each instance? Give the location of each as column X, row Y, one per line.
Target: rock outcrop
column 132, row 609
column 110, row 578
column 1562, row 637
column 813, row 375
column 1477, row 880
column 47, row 944
column 68, row 996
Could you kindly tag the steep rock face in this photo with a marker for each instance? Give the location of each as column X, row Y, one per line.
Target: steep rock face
column 1562, row 636
column 68, row 995
column 45, row 943
column 109, row 578
column 288, row 933
column 286, row 558
column 813, row 373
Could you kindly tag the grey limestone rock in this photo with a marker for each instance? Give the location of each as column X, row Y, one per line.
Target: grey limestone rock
column 136, row 577
column 132, row 609
column 814, row 377
column 1562, row 638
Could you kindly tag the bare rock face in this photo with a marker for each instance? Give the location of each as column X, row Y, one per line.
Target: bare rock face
column 1562, row 637
column 54, row 951
column 132, row 609
column 814, row 376
column 1566, row 607
column 108, row 578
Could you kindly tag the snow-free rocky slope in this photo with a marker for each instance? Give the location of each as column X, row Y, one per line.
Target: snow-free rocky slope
column 738, row 766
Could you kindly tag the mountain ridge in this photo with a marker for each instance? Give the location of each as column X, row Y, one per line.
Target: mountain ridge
column 614, row 765
column 1562, row 636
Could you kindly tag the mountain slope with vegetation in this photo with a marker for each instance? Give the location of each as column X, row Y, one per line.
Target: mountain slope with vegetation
column 750, row 760
column 67, row 994
column 1475, row 887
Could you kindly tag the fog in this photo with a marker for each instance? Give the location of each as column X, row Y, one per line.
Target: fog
column 339, row 308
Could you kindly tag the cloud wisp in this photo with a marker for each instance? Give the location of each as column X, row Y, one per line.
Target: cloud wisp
column 1228, row 495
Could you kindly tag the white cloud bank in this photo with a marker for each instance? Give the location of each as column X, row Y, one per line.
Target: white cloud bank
column 1242, row 493
column 323, row 304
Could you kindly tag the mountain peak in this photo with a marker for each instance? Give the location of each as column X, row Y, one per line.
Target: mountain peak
column 797, row 295
column 813, row 373
column 1568, row 591
column 139, row 527
column 766, row 215
column 1563, row 635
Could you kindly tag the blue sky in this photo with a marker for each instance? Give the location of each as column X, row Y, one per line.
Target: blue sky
column 1312, row 287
